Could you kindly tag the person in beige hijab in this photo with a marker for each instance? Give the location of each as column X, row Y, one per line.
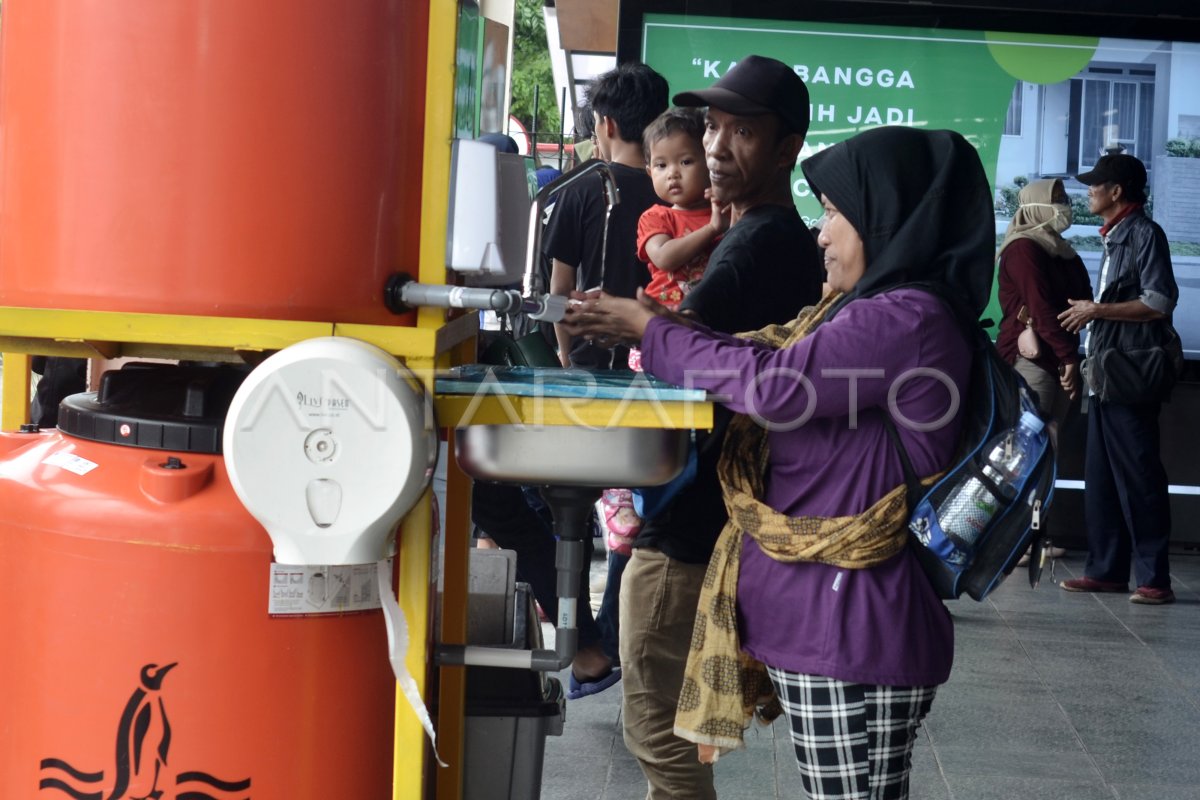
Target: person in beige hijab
column 1039, row 272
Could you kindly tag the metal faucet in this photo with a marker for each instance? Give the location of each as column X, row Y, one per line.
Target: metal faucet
column 402, row 293
column 534, row 243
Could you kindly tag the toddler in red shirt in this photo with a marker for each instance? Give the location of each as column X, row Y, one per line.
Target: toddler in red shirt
column 675, row 241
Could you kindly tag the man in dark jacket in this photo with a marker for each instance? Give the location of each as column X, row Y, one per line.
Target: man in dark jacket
column 1126, row 494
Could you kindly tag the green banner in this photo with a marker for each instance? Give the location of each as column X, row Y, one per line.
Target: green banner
column 861, row 77
column 466, row 70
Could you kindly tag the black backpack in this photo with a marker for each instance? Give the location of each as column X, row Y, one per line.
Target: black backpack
column 996, row 397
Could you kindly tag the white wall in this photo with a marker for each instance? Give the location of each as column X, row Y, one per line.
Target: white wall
column 558, row 65
column 1055, row 118
column 1183, row 102
column 1016, row 156
column 585, row 67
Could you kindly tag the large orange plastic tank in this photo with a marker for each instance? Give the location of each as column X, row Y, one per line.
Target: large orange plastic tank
column 252, row 159
column 137, row 652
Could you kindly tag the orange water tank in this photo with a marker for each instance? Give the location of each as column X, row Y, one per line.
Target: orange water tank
column 138, row 653
column 254, row 159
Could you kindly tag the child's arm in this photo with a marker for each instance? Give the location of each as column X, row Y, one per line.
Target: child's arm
column 670, row 254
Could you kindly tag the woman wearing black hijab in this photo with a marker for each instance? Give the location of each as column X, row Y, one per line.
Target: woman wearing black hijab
column 812, row 576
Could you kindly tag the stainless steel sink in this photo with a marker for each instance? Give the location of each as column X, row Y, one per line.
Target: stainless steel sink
column 566, row 455
column 571, row 464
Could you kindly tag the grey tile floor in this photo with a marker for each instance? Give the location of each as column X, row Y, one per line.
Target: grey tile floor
column 1053, row 695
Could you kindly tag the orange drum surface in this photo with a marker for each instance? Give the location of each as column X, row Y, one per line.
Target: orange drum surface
column 252, row 159
column 138, row 654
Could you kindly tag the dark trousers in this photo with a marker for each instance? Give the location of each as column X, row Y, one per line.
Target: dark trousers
column 60, row 377
column 1126, row 499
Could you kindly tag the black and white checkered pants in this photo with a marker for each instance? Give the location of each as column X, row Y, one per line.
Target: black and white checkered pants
column 853, row 741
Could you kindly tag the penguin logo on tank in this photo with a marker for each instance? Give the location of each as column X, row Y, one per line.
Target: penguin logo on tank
column 142, row 769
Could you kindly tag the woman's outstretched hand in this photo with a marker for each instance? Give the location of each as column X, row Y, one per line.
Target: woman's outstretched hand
column 612, row 320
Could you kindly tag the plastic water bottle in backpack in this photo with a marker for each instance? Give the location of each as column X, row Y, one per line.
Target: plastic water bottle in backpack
column 970, row 506
column 971, row 524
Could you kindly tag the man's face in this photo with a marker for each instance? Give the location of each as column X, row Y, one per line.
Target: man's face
column 1102, row 199
column 744, row 155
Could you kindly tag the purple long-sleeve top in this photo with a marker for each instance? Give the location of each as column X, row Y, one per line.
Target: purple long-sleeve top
column 830, row 455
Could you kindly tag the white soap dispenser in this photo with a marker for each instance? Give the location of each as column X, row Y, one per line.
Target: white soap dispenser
column 328, row 443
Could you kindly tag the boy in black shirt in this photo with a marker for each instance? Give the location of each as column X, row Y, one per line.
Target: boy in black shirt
column 623, row 102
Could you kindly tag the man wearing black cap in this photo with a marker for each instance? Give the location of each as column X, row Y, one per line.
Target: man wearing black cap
column 765, row 269
column 1126, row 496
column 754, row 128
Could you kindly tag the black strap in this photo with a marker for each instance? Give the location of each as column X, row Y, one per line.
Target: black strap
column 910, row 476
column 976, row 338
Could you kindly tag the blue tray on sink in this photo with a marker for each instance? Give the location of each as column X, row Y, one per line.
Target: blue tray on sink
column 471, row 379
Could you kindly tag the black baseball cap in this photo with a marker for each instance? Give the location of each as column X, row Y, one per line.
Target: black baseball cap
column 1121, row 168
column 756, row 85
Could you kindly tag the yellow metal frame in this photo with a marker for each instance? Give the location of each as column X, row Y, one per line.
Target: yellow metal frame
column 409, row 759
column 458, row 411
column 14, row 391
column 108, row 334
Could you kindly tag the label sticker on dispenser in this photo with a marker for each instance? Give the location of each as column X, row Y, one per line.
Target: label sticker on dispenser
column 304, row 590
column 71, row 463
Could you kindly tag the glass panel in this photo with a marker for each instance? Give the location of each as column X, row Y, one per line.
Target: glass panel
column 1012, row 122
column 1123, row 122
column 1145, row 122
column 1095, row 117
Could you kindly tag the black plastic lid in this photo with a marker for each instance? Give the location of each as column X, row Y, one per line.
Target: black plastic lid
column 156, row 406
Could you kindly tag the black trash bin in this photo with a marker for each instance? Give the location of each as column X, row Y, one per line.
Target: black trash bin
column 509, row 714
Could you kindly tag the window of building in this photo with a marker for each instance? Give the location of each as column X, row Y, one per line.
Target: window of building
column 1114, row 113
column 1012, row 122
